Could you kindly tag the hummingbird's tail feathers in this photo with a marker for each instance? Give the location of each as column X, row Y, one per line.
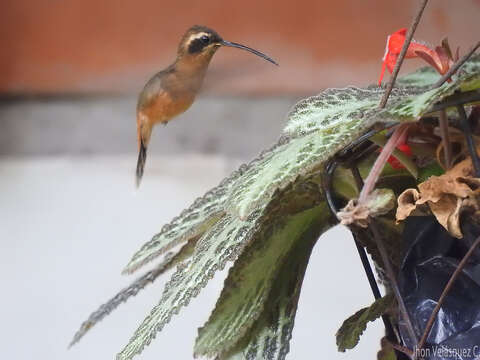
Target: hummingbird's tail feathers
column 142, row 158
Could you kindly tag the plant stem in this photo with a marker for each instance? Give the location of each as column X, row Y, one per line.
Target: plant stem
column 459, row 98
column 402, row 349
column 399, row 62
column 444, row 294
column 377, row 167
column 447, row 147
column 469, row 138
column 393, row 280
column 390, row 334
column 381, row 140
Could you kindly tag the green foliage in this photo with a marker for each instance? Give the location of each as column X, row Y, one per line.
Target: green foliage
column 269, row 337
column 421, row 78
column 320, row 126
column 224, row 241
column 388, row 355
column 386, row 352
column 349, row 333
column 302, row 156
column 266, row 218
column 170, row 261
column 250, row 280
column 430, row 170
column 191, row 223
column 343, row 108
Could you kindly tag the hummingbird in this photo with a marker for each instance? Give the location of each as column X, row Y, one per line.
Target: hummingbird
column 172, row 91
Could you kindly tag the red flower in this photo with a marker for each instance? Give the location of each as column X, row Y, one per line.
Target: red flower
column 393, row 161
column 441, row 58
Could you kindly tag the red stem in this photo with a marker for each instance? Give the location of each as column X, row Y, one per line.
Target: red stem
column 382, row 159
column 403, row 52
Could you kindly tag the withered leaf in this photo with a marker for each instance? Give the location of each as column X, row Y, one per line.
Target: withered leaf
column 447, row 196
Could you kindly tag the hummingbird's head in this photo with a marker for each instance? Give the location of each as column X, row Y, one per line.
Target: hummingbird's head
column 199, row 40
column 203, row 42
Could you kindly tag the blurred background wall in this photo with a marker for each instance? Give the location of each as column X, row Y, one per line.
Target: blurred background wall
column 70, row 71
column 85, row 46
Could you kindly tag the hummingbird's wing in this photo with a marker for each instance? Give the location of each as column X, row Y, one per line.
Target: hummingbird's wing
column 150, row 92
column 147, row 98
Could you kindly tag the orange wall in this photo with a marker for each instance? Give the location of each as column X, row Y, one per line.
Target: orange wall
column 81, row 46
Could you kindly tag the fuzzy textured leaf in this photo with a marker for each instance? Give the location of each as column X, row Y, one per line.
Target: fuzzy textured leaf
column 423, row 77
column 297, row 157
column 171, row 259
column 321, row 125
column 349, row 333
column 223, row 242
column 250, row 281
column 192, row 222
column 409, row 100
column 269, row 337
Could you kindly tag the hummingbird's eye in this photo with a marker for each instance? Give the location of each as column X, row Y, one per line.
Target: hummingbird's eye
column 205, row 39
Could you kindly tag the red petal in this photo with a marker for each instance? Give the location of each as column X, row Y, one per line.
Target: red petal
column 394, row 162
column 433, row 61
column 388, row 62
column 381, row 74
column 405, row 148
column 394, row 46
column 391, row 61
column 444, row 59
column 446, row 47
column 396, row 40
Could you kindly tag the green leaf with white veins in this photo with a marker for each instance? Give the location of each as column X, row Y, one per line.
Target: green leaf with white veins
column 409, row 100
column 229, row 218
column 297, row 157
column 170, row 261
column 270, row 334
column 250, row 281
column 192, row 222
column 223, row 242
column 320, row 126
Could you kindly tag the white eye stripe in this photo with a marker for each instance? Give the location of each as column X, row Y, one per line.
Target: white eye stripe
column 197, row 36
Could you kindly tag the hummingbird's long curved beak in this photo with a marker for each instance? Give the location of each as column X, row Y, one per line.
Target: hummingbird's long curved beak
column 253, row 51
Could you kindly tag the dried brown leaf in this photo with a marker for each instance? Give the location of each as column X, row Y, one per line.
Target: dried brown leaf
column 407, row 202
column 447, row 195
